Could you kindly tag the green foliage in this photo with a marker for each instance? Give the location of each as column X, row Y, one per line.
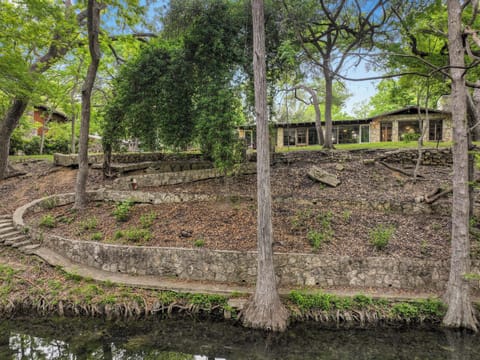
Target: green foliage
column 48, row 221
column 206, row 301
column 167, row 297
column 316, row 239
column 346, row 215
column 363, row 301
column 137, row 235
column 199, row 243
column 89, row 224
column 405, row 310
column 147, row 220
column 319, row 301
column 49, row 203
column 380, row 236
column 410, row 137
column 122, row 210
column 97, row 236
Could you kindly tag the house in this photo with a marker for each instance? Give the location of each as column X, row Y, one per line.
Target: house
column 41, row 113
column 390, row 126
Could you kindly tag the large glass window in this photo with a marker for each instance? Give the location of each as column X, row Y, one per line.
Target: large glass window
column 347, row 134
column 435, row 130
column 364, row 133
column 312, row 136
column 288, row 137
column 408, row 129
column 386, row 131
column 302, row 136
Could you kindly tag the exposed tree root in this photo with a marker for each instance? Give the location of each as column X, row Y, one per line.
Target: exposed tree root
column 260, row 315
column 401, row 171
column 437, row 194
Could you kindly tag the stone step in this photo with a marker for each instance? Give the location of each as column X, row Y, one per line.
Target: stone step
column 6, row 236
column 5, row 220
column 7, row 230
column 13, row 240
column 22, row 243
column 5, row 216
column 7, row 224
column 29, row 249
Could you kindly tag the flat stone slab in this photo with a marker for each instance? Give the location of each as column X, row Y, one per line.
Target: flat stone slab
column 317, row 174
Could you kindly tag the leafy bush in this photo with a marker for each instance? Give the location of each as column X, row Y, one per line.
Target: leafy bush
column 381, row 235
column 48, row 221
column 147, row 220
column 405, row 310
column 97, row 236
column 89, row 224
column 316, row 239
column 199, row 243
column 410, row 137
column 122, row 210
column 137, row 235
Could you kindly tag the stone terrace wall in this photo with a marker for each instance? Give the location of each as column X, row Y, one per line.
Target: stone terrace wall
column 439, row 157
column 239, row 267
column 126, row 158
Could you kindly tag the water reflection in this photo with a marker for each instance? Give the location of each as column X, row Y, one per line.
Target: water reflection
column 182, row 339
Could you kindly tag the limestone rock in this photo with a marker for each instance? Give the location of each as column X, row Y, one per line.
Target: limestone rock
column 320, row 175
column 339, row 167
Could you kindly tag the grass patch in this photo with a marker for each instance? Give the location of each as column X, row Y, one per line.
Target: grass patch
column 378, row 145
column 122, row 210
column 48, row 221
column 147, row 220
column 381, row 236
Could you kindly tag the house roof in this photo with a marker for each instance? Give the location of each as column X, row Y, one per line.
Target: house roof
column 409, row 110
column 55, row 112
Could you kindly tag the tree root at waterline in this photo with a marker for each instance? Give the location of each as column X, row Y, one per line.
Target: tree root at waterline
column 265, row 316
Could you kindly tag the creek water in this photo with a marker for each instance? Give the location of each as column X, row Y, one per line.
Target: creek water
column 186, row 338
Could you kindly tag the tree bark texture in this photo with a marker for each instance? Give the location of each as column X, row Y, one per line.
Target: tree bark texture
column 460, row 313
column 93, row 24
column 328, row 106
column 9, row 123
column 264, row 310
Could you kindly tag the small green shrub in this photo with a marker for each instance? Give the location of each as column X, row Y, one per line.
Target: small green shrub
column 320, row 301
column 405, row 310
column 49, row 203
column 147, row 220
column 206, row 301
column 431, row 307
column 381, row 235
column 137, row 235
column 199, row 243
column 89, row 224
column 346, row 215
column 66, row 219
column 118, row 234
column 48, row 221
column 363, row 300
column 122, row 210
column 167, row 297
column 97, row 236
column 316, row 239
column 410, row 137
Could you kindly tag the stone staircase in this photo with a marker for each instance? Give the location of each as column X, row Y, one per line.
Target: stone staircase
column 10, row 236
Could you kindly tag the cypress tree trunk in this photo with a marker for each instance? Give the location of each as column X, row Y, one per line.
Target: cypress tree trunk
column 328, row 106
column 93, row 18
column 264, row 310
column 460, row 312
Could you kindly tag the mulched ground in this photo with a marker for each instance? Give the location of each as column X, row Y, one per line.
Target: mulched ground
column 302, row 210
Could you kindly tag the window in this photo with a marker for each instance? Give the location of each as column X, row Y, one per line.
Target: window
column 348, row 134
column 364, row 133
column 288, row 137
column 302, row 136
column 386, row 131
column 312, row 136
column 435, row 130
column 408, row 129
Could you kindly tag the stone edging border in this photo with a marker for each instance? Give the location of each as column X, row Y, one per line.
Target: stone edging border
column 233, row 266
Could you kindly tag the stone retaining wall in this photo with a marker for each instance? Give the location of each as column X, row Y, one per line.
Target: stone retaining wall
column 438, row 157
column 238, row 267
column 126, row 158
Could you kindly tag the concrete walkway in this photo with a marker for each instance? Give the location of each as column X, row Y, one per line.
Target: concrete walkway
column 180, row 285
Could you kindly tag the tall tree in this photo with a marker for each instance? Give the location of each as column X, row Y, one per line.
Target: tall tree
column 265, row 310
column 93, row 27
column 330, row 33
column 62, row 36
column 460, row 312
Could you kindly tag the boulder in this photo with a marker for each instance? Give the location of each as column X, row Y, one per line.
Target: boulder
column 320, row 175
